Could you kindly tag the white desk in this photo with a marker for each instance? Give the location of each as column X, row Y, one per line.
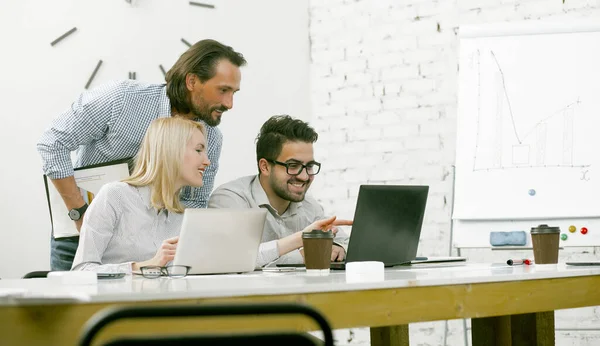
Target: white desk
column 490, row 294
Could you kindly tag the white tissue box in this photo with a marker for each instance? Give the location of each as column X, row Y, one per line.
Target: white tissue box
column 368, row 271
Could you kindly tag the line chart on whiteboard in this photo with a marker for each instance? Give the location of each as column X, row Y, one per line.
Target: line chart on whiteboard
column 509, row 136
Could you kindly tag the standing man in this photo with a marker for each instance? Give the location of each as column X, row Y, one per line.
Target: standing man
column 286, row 169
column 109, row 122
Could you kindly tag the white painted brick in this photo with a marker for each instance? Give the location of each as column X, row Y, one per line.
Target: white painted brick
column 418, row 86
column 422, row 55
column 359, row 78
column 343, row 123
column 437, row 69
column 396, row 159
column 384, row 60
column 433, row 157
column 351, row 149
column 421, row 114
column 357, row 50
column 439, row 126
column 382, row 31
column 328, row 83
column 346, row 67
column 384, row 146
column 466, row 5
column 364, row 106
column 384, row 118
column 354, row 175
column 320, row 99
column 348, row 93
column 379, row 89
column 318, row 70
column 400, row 131
column 385, row 174
column 326, row 26
column 441, row 99
column 538, row 8
column 394, row 44
column 395, row 73
column 364, row 134
column 402, row 13
column 421, row 27
column 359, row 24
column 435, row 8
column 329, row 110
column 334, row 137
column 423, row 142
column 440, row 39
column 339, row 191
column 500, row 14
column 400, row 102
column 391, row 88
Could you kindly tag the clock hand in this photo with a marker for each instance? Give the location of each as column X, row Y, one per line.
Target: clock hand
column 61, row 37
column 93, row 74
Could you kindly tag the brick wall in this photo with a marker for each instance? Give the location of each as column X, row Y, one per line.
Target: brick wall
column 383, row 92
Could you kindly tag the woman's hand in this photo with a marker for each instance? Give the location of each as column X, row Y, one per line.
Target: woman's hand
column 164, row 255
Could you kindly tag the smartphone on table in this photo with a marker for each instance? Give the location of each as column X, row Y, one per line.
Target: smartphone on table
column 110, row 275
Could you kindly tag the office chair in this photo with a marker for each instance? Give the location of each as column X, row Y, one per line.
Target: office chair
column 36, row 274
column 110, row 315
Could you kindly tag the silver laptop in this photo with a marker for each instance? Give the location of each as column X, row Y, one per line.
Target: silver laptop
column 218, row 241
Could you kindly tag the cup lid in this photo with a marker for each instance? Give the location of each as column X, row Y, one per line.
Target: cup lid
column 317, row 234
column 544, row 229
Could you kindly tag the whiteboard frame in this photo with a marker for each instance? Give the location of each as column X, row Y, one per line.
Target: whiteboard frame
column 474, row 232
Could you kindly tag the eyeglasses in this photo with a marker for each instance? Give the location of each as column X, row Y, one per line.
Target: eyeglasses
column 295, row 168
column 153, row 272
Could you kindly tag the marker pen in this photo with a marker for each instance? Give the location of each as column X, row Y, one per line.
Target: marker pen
column 515, row 262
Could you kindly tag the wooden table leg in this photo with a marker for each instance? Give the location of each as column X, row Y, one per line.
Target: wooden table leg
column 514, row 330
column 390, row 336
column 533, row 329
column 491, row 331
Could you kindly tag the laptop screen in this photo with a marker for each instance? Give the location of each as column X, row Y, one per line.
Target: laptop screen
column 387, row 223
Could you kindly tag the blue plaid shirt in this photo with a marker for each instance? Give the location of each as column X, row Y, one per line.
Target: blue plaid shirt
column 108, row 123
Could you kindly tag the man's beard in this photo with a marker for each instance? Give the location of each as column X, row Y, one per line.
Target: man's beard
column 206, row 114
column 283, row 193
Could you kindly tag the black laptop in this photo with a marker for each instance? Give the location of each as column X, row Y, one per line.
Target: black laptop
column 387, row 225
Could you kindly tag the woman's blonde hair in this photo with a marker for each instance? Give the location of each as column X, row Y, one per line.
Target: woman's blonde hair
column 159, row 160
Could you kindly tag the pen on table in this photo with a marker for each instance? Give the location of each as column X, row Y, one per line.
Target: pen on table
column 514, row 262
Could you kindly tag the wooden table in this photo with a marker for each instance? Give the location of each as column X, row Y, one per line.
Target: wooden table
column 508, row 305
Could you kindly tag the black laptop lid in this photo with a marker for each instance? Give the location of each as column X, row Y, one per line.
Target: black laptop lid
column 387, row 223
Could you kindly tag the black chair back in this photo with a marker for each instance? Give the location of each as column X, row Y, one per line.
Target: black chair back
column 36, row 274
column 110, row 315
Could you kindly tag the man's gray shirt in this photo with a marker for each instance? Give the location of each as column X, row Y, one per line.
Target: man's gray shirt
column 247, row 192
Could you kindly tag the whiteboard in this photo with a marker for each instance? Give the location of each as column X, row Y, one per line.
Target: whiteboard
column 528, row 121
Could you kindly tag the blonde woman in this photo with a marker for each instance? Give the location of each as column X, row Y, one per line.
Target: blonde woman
column 136, row 222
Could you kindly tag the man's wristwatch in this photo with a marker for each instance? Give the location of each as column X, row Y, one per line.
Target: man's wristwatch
column 77, row 213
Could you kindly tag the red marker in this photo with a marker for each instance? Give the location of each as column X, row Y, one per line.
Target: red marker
column 584, row 230
column 528, row 261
